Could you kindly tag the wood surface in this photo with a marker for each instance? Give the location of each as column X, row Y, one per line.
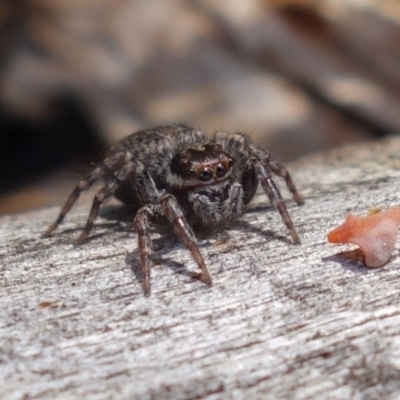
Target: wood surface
column 281, row 321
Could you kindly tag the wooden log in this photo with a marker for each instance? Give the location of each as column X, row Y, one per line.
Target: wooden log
column 281, row 321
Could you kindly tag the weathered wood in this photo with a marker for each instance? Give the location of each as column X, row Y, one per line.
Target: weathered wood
column 281, row 321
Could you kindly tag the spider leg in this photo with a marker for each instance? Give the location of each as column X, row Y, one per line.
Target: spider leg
column 281, row 171
column 141, row 224
column 83, row 185
column 102, row 196
column 264, row 157
column 110, row 164
column 112, row 184
column 275, row 197
column 241, row 145
column 173, row 211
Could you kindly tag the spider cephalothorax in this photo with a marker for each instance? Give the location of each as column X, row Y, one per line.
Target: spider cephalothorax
column 173, row 171
column 199, row 165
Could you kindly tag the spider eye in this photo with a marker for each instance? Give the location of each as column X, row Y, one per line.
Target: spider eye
column 221, row 170
column 230, row 162
column 205, row 175
column 191, row 173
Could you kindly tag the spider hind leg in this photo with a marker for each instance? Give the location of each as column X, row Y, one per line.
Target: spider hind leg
column 282, row 172
column 275, row 198
column 108, row 171
column 101, row 197
column 83, row 185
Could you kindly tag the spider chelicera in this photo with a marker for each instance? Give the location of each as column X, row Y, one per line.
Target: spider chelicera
column 175, row 172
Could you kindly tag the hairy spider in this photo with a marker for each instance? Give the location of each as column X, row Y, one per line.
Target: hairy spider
column 173, row 171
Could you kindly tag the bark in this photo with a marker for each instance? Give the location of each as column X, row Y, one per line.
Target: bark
column 281, row 321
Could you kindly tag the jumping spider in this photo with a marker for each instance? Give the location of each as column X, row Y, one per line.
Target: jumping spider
column 173, row 171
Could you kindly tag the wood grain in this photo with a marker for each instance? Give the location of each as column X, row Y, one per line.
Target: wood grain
column 281, row 321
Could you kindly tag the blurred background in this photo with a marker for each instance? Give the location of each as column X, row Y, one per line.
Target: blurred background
column 75, row 76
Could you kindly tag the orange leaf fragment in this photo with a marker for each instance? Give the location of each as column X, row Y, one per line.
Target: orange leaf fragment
column 375, row 234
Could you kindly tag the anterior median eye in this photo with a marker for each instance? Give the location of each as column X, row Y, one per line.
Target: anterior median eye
column 191, row 173
column 206, row 175
column 221, row 170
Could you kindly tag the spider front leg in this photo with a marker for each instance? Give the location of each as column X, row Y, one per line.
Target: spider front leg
column 141, row 224
column 174, row 212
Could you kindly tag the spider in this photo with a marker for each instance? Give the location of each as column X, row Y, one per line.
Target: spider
column 175, row 172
